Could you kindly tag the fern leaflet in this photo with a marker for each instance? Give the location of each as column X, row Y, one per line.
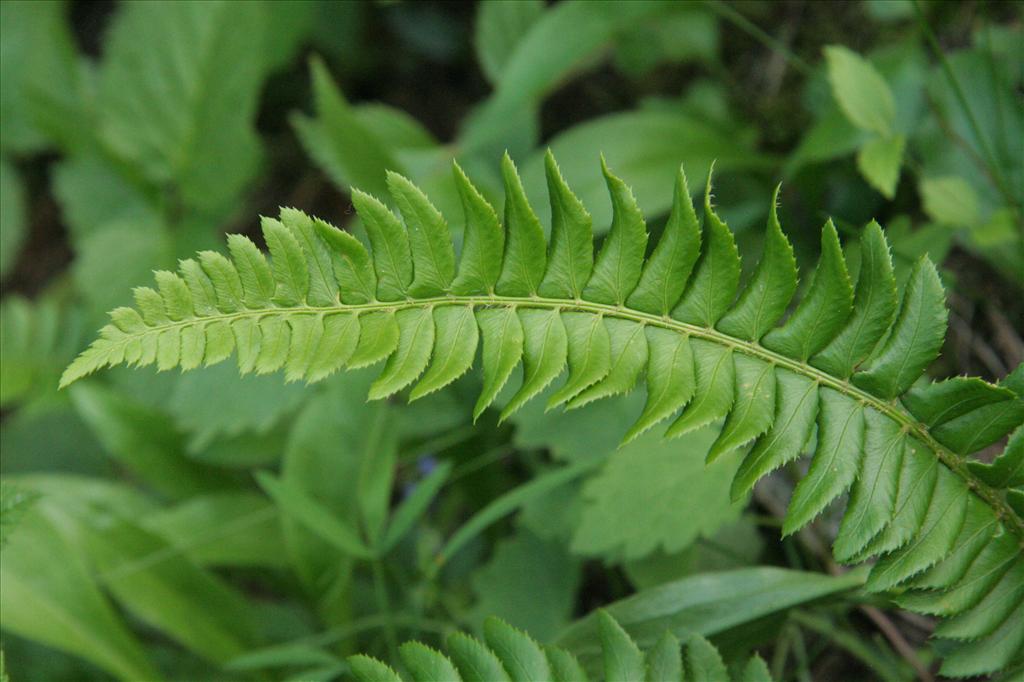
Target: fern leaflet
column 846, row 364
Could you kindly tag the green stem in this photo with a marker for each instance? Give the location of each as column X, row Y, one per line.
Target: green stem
column 380, row 590
column 744, row 24
column 892, row 409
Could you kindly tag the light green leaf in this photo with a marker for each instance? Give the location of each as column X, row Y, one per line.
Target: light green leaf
column 571, row 256
column 503, row 347
column 879, row 161
column 950, row 200
column 483, row 241
column 860, row 90
column 545, row 345
column 619, row 263
column 454, row 349
column 525, row 257
column 429, row 239
column 415, row 344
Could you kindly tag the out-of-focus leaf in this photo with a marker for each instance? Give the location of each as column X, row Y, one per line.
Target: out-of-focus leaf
column 222, row 529
column 35, row 338
column 860, row 90
column 144, row 441
column 709, row 604
column 51, row 596
column 216, row 402
column 154, row 581
column 499, row 28
column 543, row 58
column 12, row 216
column 683, row 498
column 527, row 564
column 689, row 32
column 42, row 98
column 185, row 116
column 645, row 146
column 114, row 259
column 94, row 194
column 350, row 153
column 879, row 161
column 950, row 200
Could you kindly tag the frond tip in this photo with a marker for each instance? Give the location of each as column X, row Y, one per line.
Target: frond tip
column 846, row 364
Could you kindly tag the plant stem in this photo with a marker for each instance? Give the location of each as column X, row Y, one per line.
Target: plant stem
column 741, row 22
column 384, row 606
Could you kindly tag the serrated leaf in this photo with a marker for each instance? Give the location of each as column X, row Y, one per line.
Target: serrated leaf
column 503, row 347
column 664, row 660
column 715, row 390
column 571, row 256
column 618, row 265
column 822, row 313
column 915, row 339
column 352, row 266
column 454, row 349
column 476, row 663
column 483, row 241
column 623, row 660
column 522, row 657
column 545, row 344
column 712, row 287
column 429, row 238
column 426, row 664
column 836, row 459
column 525, row 250
column 670, row 379
column 415, row 344
column 589, row 350
column 393, row 257
column 753, row 408
column 628, row 351
column 766, row 296
column 874, row 308
column 667, row 270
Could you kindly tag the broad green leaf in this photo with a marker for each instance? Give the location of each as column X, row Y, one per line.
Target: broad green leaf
column 662, row 473
column 667, row 270
column 412, row 507
column 339, row 140
column 823, row 312
column 860, row 90
column 500, row 26
column 312, row 515
column 571, row 256
column 79, row 619
column 874, row 308
column 524, row 260
column 185, row 117
column 950, row 200
column 429, row 239
column 712, row 288
column 503, row 347
column 766, row 296
column 879, row 161
column 619, row 263
column 915, row 339
column 366, row 669
column 527, row 564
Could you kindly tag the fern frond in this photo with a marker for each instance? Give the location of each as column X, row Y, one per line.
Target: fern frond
column 510, row 655
column 846, row 364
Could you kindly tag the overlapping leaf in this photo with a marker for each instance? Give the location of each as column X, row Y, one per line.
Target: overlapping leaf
column 846, row 362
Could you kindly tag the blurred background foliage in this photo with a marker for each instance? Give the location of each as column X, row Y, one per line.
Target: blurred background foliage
column 204, row 526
